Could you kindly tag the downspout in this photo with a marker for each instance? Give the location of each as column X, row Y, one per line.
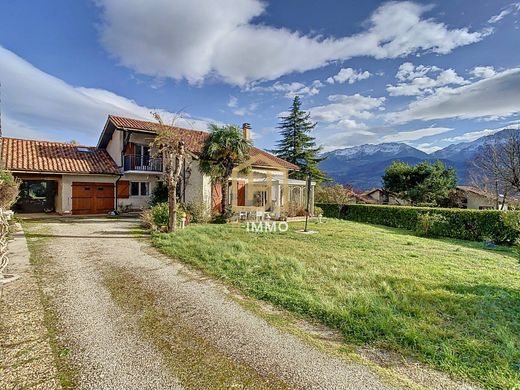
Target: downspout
column 117, row 181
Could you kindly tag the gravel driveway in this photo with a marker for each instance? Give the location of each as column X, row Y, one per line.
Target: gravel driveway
column 136, row 320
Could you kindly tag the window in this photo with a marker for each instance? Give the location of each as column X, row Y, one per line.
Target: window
column 142, row 155
column 134, row 188
column 139, row 188
column 144, row 188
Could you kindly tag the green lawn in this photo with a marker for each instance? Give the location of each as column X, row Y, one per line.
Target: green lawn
column 452, row 304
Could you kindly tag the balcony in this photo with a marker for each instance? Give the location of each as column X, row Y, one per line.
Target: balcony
column 142, row 163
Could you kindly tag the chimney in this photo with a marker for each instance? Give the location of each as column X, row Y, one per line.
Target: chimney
column 246, row 129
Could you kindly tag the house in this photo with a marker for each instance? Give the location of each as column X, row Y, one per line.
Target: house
column 121, row 172
column 383, row 197
column 474, row 198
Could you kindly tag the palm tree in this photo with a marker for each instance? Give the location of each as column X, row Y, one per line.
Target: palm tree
column 224, row 149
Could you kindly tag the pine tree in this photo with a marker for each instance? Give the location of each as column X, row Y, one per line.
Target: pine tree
column 297, row 145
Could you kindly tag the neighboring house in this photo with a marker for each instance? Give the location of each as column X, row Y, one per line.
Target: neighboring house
column 383, row 197
column 474, row 198
column 122, row 171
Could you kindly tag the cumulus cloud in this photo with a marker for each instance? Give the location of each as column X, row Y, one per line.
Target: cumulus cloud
column 483, row 72
column 203, row 38
column 415, row 134
column 494, row 97
column 343, row 108
column 348, row 75
column 36, row 104
column 414, row 80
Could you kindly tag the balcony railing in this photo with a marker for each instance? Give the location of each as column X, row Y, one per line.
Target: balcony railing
column 136, row 162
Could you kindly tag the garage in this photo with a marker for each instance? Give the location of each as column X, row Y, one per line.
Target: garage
column 92, row 198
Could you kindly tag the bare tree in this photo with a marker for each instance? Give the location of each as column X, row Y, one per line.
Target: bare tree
column 170, row 145
column 496, row 169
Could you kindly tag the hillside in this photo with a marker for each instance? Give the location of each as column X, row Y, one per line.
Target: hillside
column 362, row 166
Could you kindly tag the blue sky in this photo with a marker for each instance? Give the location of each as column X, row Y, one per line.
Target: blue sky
column 425, row 73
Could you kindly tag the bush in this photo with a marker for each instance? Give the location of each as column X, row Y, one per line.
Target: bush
column 318, row 210
column 159, row 194
column 296, row 210
column 502, row 227
column 197, row 211
column 159, row 214
column 9, row 186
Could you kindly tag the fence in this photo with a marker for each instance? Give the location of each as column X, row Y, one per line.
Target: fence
column 4, row 234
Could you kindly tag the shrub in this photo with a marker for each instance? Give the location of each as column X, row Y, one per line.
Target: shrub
column 318, row 210
column 9, row 186
column 197, row 211
column 159, row 194
column 159, row 214
column 295, row 210
column 474, row 225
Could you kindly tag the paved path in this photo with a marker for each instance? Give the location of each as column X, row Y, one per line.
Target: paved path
column 86, row 258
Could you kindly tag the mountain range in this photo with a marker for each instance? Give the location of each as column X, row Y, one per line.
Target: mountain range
column 362, row 166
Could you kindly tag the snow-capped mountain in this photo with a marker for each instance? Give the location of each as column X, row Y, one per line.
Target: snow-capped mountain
column 391, row 149
column 362, row 166
column 466, row 150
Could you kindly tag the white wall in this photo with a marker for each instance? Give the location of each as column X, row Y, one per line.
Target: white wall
column 115, row 146
column 139, row 202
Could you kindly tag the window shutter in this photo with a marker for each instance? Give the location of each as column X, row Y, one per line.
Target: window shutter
column 123, row 189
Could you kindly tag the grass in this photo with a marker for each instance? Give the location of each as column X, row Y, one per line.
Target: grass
column 449, row 303
column 191, row 358
column 67, row 372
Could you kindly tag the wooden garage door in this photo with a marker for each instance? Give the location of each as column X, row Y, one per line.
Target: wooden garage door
column 92, row 198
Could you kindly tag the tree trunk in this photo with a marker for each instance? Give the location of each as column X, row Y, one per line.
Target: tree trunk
column 223, row 201
column 172, row 207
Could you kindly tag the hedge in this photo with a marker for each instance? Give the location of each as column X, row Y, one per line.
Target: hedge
column 475, row 225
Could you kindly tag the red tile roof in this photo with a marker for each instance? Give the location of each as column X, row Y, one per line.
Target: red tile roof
column 21, row 155
column 194, row 140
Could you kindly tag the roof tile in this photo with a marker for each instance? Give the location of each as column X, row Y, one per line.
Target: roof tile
column 56, row 157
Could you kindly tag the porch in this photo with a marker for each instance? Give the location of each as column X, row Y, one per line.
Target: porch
column 266, row 194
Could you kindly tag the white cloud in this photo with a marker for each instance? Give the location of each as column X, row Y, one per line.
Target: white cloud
column 36, row 104
column 414, row 80
column 512, row 8
column 348, row 75
column 345, row 107
column 483, row 72
column 203, row 38
column 472, row 136
column 496, row 96
column 232, row 102
column 500, row 16
column 290, row 90
column 415, row 134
